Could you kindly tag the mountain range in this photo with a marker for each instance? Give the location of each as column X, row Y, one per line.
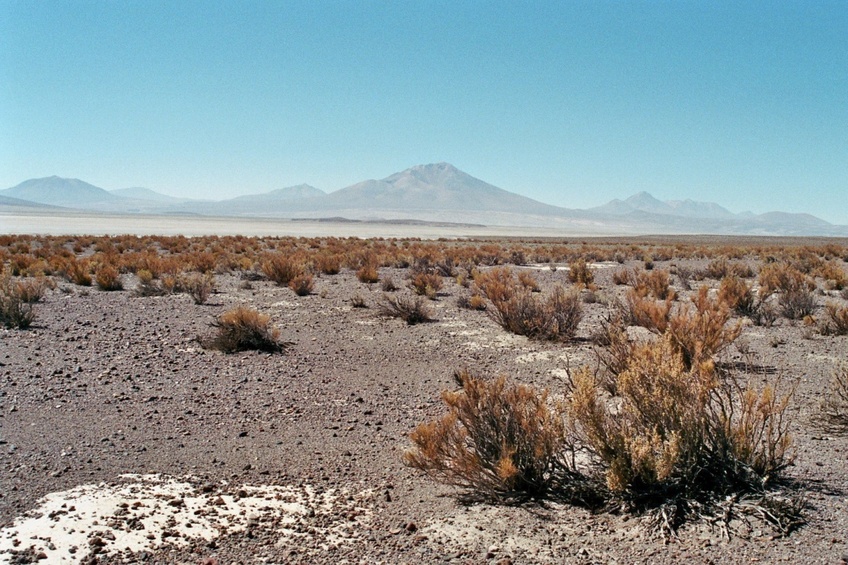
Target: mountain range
column 431, row 193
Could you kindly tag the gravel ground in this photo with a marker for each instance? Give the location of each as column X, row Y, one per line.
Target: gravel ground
column 124, row 441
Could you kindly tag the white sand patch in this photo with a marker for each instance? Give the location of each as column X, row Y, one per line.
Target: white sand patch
column 144, row 512
column 561, row 374
column 284, row 304
column 563, row 267
column 454, row 324
column 534, row 357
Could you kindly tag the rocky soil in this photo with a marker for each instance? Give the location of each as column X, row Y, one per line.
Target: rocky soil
column 124, row 441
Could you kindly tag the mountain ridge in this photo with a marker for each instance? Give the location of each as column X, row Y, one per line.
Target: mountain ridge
column 433, row 192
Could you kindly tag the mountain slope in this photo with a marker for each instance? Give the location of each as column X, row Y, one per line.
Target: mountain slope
column 57, row 191
column 436, row 187
column 298, row 192
column 145, row 194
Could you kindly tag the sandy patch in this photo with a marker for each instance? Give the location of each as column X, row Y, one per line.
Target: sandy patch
column 146, row 512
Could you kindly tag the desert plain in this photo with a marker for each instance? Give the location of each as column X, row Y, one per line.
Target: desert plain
column 125, row 439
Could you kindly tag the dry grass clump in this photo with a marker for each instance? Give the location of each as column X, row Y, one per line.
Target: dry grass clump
column 148, row 285
column 528, row 281
column 656, row 284
column 327, row 263
column 671, row 437
column 281, row 269
column 646, row 312
column 77, row 272
column 108, row 278
column 782, row 277
column 700, row 331
column 411, row 309
column 368, row 274
column 579, row 272
column 797, row 304
column 554, row 317
column 497, row 441
column 737, row 295
column 624, row 277
column 302, row 284
column 833, row 274
column 681, row 432
column 243, row 329
column 32, row 290
column 198, row 285
column 475, row 301
column 426, row 284
column 15, row 311
column 833, row 412
column 837, row 320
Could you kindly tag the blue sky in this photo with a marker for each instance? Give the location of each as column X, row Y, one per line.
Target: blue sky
column 571, row 103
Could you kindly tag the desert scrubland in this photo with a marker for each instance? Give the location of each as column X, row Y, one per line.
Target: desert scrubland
column 233, row 399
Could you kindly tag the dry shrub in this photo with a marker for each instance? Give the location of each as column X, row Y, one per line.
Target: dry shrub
column 78, row 272
column 833, row 274
column 147, row 285
column 388, row 284
column 33, row 290
column 736, row 295
column 302, row 284
column 327, row 263
column 579, row 272
column 411, row 309
column 281, row 269
column 656, row 284
column 528, row 281
column 615, row 350
column 699, row 330
column 426, row 284
column 721, row 268
column 646, row 312
column 496, row 284
column 782, row 277
column 473, row 302
column 243, row 329
column 676, row 431
column 15, row 312
column 796, row 303
column 108, row 278
column 198, row 286
column 554, row 317
column 368, row 274
column 624, row 277
column 358, row 301
column 497, row 441
column 837, row 320
column 832, row 416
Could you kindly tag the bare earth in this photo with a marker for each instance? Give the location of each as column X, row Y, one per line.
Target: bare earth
column 156, row 450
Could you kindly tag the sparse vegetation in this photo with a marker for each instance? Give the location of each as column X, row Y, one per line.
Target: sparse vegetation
column 833, row 411
column 411, row 309
column 243, row 329
column 15, row 311
column 497, row 441
column 108, row 278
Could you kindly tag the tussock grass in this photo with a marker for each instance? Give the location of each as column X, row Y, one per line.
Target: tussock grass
column 244, row 329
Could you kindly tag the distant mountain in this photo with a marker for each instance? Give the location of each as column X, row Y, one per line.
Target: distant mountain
column 17, row 202
column 644, row 202
column 298, row 192
column 436, row 187
column 139, row 193
column 57, row 191
column 428, row 193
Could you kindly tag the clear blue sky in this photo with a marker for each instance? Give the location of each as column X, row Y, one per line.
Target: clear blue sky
column 571, row 103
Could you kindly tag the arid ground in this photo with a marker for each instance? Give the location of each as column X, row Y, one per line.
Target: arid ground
column 123, row 440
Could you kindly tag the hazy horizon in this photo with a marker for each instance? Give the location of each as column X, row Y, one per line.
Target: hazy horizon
column 571, row 104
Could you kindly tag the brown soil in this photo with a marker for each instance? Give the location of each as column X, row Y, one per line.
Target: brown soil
column 107, row 384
